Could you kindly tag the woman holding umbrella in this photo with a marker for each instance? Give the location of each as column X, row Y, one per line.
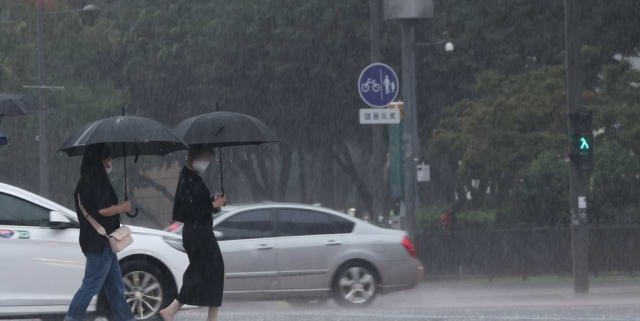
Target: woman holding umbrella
column 95, row 193
column 203, row 281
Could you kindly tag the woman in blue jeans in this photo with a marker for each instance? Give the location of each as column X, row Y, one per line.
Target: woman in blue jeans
column 102, row 269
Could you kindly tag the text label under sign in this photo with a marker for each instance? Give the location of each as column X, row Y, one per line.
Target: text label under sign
column 371, row 116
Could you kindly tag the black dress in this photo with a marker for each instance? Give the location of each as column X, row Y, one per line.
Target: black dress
column 203, row 281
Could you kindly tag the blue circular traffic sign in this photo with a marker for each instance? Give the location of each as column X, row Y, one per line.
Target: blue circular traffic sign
column 378, row 85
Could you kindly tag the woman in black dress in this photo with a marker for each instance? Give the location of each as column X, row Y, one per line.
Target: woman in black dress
column 203, row 281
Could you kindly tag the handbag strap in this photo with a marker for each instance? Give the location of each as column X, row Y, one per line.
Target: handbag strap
column 91, row 220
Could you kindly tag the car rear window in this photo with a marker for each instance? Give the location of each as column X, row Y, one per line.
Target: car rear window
column 342, row 226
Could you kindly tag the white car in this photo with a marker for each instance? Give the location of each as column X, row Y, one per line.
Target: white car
column 41, row 264
column 301, row 253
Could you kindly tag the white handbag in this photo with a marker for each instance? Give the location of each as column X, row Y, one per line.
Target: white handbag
column 118, row 240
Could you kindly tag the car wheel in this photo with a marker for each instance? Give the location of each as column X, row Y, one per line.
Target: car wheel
column 147, row 290
column 355, row 285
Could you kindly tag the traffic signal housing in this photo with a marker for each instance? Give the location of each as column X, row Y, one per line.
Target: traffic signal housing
column 581, row 139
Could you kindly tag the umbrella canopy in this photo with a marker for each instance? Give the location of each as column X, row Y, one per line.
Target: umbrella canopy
column 16, row 105
column 3, row 139
column 223, row 129
column 129, row 135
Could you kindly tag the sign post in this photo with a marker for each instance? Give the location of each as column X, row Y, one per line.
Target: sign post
column 378, row 86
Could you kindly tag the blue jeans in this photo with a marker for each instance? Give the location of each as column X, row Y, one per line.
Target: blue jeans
column 101, row 270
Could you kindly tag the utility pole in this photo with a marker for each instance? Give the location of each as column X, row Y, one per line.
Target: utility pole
column 375, row 9
column 578, row 178
column 409, row 12
column 410, row 129
column 43, row 143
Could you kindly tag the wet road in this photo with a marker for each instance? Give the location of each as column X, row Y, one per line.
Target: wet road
column 582, row 313
column 622, row 313
column 552, row 301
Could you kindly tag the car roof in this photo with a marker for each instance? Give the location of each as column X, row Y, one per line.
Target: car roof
column 232, row 209
column 227, row 210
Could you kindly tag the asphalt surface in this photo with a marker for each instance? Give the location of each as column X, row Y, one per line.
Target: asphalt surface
column 551, row 300
column 517, row 301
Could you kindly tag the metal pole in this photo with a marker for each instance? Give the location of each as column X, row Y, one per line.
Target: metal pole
column 410, row 134
column 42, row 115
column 578, row 179
column 377, row 130
column 220, row 157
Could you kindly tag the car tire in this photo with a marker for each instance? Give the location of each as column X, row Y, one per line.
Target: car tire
column 160, row 292
column 355, row 284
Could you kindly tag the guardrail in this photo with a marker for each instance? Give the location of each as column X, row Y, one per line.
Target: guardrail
column 526, row 252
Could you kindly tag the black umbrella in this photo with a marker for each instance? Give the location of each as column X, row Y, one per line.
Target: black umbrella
column 3, row 139
column 129, row 136
column 16, row 105
column 224, row 129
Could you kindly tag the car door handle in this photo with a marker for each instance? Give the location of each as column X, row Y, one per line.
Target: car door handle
column 332, row 242
column 265, row 247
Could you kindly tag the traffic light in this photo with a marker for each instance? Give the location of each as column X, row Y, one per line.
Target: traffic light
column 581, row 138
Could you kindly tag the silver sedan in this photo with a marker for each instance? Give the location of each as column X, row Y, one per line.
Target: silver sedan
column 306, row 253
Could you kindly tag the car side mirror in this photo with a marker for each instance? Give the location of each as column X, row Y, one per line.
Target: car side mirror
column 60, row 221
column 218, row 234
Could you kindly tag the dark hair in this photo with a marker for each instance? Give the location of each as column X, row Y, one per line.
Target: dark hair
column 197, row 150
column 92, row 172
column 93, row 157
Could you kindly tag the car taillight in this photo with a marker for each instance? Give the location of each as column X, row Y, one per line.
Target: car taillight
column 406, row 242
column 174, row 226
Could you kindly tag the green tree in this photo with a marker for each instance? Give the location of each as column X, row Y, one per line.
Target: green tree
column 541, row 194
column 77, row 57
column 500, row 133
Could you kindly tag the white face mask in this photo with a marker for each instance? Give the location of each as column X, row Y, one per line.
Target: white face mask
column 200, row 166
column 109, row 169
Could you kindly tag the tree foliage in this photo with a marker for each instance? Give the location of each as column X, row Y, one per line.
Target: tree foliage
column 495, row 104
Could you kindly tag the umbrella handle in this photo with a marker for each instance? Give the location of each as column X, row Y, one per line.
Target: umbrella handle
column 135, row 214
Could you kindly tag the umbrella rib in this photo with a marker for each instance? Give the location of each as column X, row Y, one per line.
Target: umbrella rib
column 86, row 132
column 261, row 130
column 130, row 136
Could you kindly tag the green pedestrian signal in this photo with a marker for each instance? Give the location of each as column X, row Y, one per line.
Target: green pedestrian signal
column 583, row 143
column 581, row 139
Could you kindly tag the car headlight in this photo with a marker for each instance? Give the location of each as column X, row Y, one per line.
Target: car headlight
column 175, row 243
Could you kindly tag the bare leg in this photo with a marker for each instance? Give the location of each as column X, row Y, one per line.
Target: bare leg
column 213, row 314
column 169, row 312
